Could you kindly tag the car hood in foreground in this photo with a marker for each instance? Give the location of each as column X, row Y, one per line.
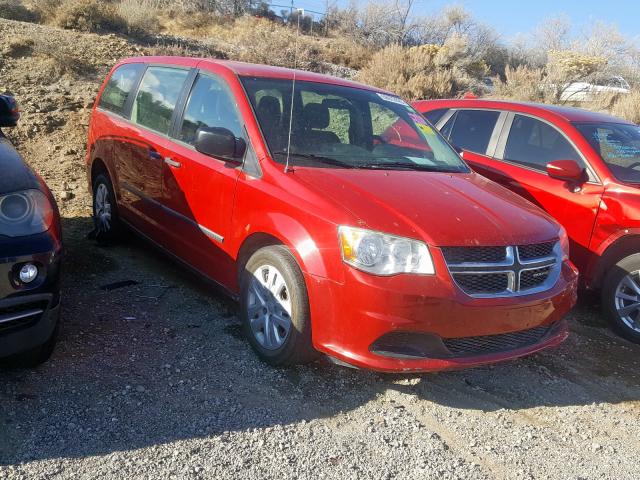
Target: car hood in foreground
column 445, row 209
column 15, row 175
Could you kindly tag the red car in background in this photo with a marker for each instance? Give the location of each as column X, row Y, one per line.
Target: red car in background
column 581, row 167
column 295, row 192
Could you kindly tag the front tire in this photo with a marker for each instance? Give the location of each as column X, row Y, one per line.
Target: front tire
column 621, row 297
column 275, row 308
column 107, row 226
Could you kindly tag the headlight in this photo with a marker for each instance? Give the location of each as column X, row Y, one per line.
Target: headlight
column 25, row 213
column 564, row 243
column 383, row 254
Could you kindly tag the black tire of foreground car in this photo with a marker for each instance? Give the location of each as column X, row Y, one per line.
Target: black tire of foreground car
column 107, row 225
column 621, row 297
column 274, row 308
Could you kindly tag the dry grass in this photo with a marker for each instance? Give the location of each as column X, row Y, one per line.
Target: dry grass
column 139, row 16
column 187, row 49
column 190, row 24
column 428, row 71
column 257, row 40
column 521, row 84
column 345, row 52
column 409, row 73
column 53, row 61
column 627, row 106
column 20, row 46
column 16, row 10
column 83, row 15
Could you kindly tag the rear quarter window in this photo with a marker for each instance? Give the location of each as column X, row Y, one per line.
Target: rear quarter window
column 122, row 82
column 157, row 97
column 434, row 115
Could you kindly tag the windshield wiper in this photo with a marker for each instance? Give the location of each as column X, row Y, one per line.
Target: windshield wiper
column 399, row 166
column 318, row 158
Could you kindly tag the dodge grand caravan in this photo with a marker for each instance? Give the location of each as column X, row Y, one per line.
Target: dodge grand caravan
column 341, row 221
column 582, row 167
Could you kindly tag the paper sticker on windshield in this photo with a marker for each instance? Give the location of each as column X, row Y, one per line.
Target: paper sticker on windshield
column 392, row 98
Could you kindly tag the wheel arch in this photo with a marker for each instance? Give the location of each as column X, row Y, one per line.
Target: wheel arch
column 309, row 250
column 98, row 166
column 619, row 249
column 252, row 244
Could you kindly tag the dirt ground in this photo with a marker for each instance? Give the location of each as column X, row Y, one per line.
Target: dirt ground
column 152, row 378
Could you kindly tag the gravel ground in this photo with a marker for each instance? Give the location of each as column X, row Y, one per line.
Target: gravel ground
column 153, row 380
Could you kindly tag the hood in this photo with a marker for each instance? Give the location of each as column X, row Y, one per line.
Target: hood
column 14, row 173
column 444, row 209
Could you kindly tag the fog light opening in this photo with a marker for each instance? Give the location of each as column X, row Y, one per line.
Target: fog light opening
column 28, row 273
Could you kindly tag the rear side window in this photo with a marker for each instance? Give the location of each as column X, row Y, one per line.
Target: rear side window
column 157, row 98
column 472, row 130
column 534, row 143
column 434, row 115
column 210, row 105
column 119, row 86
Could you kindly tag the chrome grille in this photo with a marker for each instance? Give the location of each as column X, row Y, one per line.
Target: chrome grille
column 504, row 271
column 495, row 343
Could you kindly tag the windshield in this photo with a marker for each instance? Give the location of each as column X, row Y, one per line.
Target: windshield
column 619, row 146
column 346, row 127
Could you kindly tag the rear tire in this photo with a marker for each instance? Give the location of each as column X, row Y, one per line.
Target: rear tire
column 106, row 221
column 274, row 308
column 621, row 297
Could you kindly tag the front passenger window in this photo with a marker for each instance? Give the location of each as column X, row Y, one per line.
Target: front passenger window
column 210, row 105
column 534, row 143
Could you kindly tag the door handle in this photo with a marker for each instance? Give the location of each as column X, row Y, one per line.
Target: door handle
column 172, row 163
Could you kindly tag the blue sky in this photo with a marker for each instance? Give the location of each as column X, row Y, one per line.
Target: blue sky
column 512, row 17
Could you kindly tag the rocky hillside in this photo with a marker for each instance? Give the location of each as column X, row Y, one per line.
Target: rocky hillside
column 55, row 75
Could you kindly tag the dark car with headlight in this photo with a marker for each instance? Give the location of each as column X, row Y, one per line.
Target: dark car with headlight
column 30, row 251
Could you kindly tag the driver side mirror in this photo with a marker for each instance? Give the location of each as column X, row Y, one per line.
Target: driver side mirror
column 9, row 113
column 221, row 143
column 567, row 170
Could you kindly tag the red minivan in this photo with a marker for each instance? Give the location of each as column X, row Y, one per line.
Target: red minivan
column 581, row 167
column 341, row 221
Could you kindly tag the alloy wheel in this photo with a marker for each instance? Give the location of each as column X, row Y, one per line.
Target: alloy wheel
column 102, row 208
column 627, row 300
column 269, row 307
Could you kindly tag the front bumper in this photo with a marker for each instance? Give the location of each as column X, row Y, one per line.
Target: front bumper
column 29, row 312
column 350, row 319
column 27, row 322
